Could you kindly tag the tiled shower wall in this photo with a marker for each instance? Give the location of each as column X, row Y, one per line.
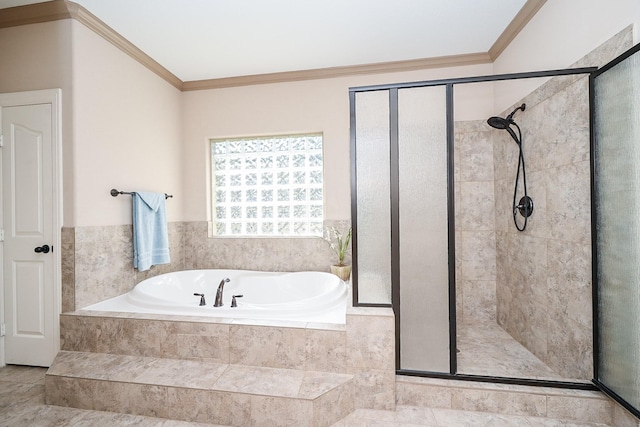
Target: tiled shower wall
column 543, row 275
column 543, row 280
column 97, row 262
column 474, row 223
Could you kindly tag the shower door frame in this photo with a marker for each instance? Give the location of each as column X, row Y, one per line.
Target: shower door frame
column 394, row 214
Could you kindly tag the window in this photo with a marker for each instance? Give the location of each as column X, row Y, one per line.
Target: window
column 267, row 186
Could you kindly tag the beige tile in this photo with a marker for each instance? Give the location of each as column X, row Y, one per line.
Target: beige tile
column 447, row 417
column 499, row 402
column 95, row 418
column 78, row 333
column 259, row 380
column 578, row 409
column 202, row 406
column 42, row 415
column 568, row 203
column 325, row 350
column 622, row 418
column 486, row 349
column 415, row 415
column 476, row 255
column 195, row 340
column 333, row 405
column 267, row 346
column 20, row 394
column 22, row 374
column 370, row 342
column 315, row 384
column 478, row 300
column 374, row 389
column 129, row 398
column 71, row 392
column 182, row 373
column 424, row 395
column 474, row 160
column 280, row 412
column 476, row 206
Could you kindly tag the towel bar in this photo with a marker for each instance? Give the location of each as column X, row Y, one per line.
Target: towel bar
column 115, row 192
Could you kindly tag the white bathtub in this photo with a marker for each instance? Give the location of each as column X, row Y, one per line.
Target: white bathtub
column 300, row 296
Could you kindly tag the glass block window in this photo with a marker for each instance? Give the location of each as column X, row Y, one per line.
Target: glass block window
column 267, row 186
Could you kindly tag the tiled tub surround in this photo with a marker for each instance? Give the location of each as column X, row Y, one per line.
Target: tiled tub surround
column 228, row 372
column 97, row 262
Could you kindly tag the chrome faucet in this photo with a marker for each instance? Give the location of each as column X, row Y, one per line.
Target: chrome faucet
column 218, row 302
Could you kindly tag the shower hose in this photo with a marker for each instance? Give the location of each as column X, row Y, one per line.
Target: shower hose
column 524, row 206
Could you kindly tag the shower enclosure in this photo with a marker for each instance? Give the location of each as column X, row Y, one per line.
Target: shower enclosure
column 433, row 209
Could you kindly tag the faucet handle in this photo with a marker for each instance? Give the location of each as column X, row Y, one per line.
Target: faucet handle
column 233, row 300
column 202, row 302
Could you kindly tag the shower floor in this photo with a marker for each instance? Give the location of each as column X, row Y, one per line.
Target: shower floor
column 487, row 349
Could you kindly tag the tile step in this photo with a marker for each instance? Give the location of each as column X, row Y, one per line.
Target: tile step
column 546, row 402
column 198, row 391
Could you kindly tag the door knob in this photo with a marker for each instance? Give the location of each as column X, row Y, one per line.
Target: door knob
column 42, row 249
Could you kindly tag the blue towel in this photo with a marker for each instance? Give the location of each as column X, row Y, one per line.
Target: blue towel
column 150, row 237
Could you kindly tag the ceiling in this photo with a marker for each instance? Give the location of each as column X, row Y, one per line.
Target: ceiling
column 211, row 39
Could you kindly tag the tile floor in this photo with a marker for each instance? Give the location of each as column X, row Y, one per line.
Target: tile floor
column 486, row 349
column 22, row 404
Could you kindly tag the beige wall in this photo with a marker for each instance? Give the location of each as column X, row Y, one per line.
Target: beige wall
column 560, row 34
column 37, row 57
column 316, row 105
column 121, row 122
column 126, row 133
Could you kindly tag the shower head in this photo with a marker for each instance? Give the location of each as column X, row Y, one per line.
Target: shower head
column 505, row 123
column 498, row 122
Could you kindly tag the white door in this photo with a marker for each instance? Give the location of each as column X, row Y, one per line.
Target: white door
column 31, row 240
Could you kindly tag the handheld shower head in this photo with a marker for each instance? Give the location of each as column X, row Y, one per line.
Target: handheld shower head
column 498, row 122
column 525, row 206
column 505, row 123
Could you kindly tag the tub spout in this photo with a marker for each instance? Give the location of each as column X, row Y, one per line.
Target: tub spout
column 218, row 302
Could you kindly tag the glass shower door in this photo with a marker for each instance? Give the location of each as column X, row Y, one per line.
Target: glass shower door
column 402, row 219
column 423, row 226
column 616, row 199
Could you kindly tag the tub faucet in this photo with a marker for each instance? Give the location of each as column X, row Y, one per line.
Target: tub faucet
column 218, row 302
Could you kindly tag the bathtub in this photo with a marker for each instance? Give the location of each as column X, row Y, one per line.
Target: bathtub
column 299, row 296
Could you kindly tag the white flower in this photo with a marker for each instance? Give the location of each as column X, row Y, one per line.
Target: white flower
column 337, row 243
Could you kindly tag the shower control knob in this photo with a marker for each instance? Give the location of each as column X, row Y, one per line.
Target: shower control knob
column 525, row 206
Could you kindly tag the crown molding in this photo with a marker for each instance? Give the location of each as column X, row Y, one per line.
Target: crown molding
column 63, row 9
column 333, row 72
column 34, row 13
column 528, row 11
column 92, row 22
